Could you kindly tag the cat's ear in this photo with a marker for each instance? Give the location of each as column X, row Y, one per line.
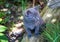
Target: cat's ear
column 25, row 12
column 37, row 7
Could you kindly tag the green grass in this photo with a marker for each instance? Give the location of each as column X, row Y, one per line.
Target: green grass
column 52, row 32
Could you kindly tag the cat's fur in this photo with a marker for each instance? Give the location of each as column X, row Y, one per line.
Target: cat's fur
column 32, row 21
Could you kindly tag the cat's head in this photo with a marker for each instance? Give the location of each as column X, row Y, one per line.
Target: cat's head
column 32, row 11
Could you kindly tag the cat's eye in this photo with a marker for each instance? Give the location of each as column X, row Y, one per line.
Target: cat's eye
column 29, row 12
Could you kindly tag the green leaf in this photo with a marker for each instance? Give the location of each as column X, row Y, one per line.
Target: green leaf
column 48, row 35
column 52, row 32
column 56, row 38
column 2, row 28
column 5, row 20
column 2, row 14
column 1, row 34
column 0, row 19
column 3, row 38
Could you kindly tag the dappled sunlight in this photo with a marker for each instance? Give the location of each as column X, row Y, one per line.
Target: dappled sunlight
column 4, row 9
column 48, row 15
column 1, row 19
column 17, row 31
column 21, row 17
column 53, row 20
column 18, row 25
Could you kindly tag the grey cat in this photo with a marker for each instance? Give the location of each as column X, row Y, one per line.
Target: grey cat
column 32, row 21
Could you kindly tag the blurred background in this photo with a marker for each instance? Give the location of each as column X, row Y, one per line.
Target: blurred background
column 11, row 21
